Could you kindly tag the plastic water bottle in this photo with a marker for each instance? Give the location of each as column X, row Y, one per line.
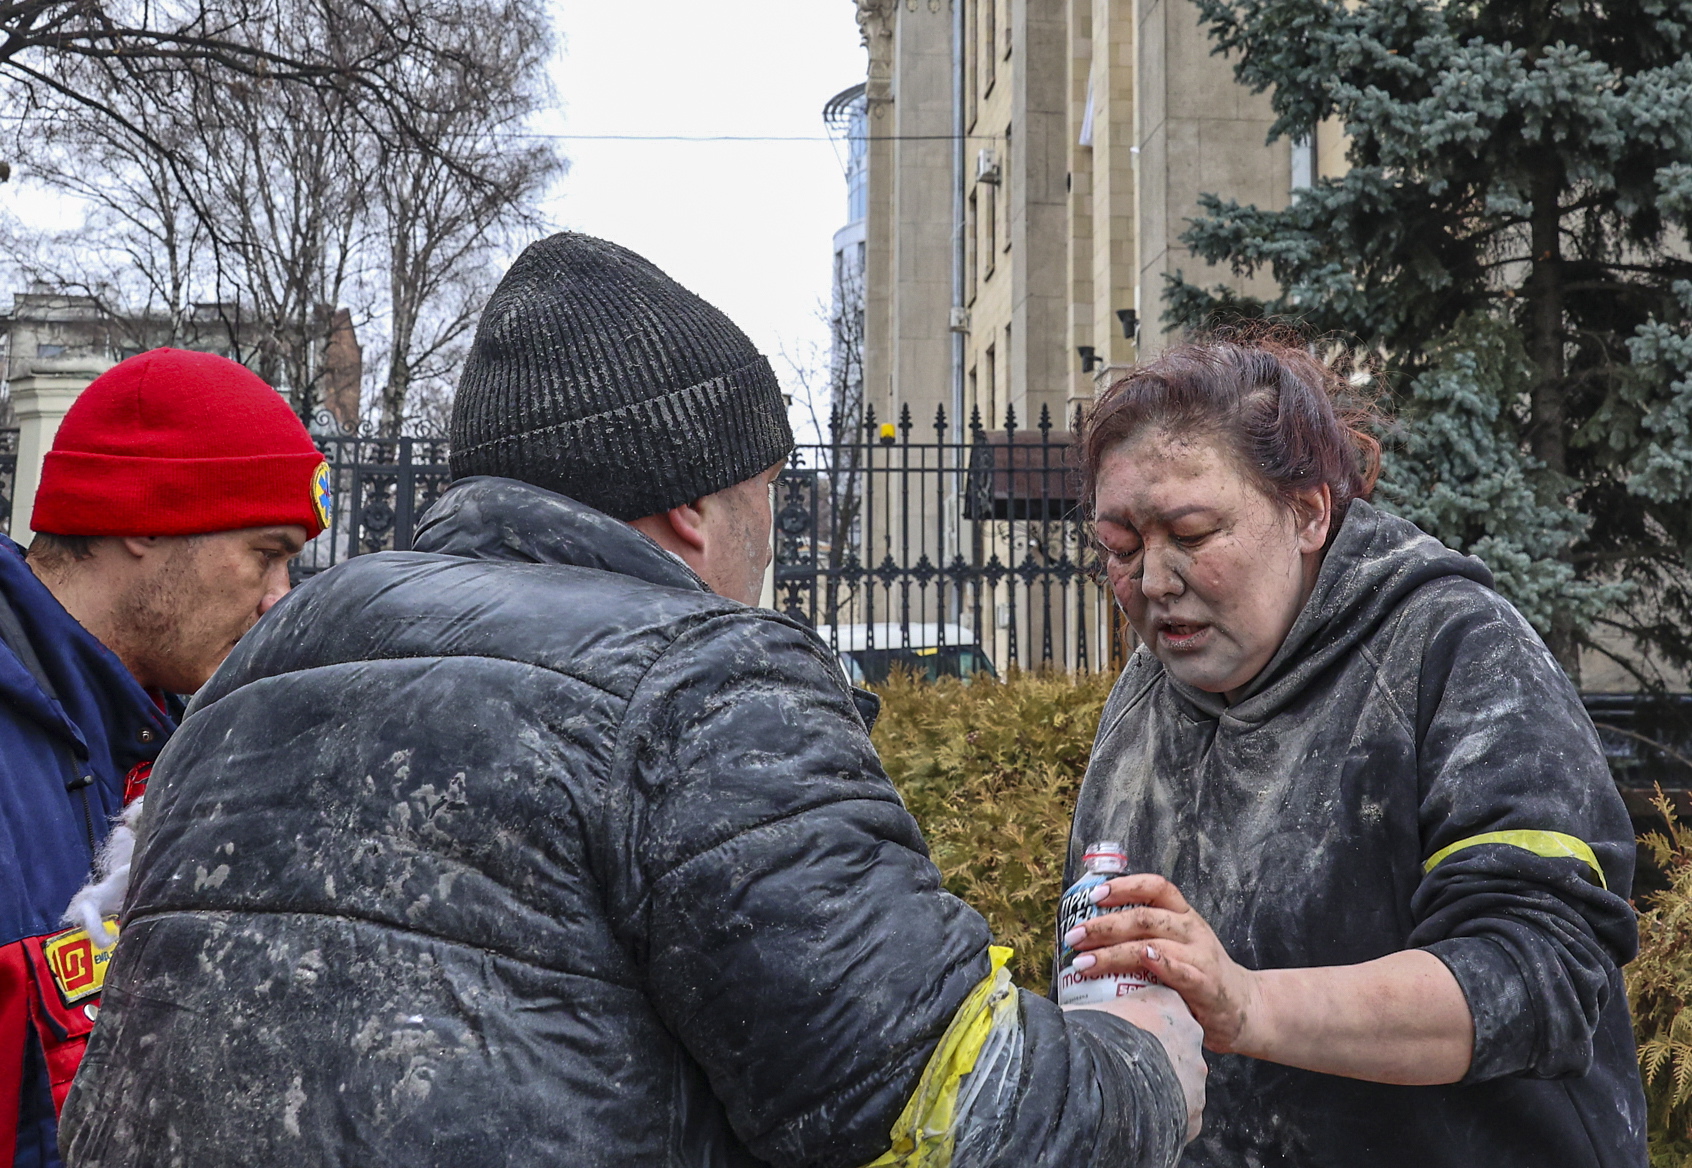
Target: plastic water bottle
column 1100, row 862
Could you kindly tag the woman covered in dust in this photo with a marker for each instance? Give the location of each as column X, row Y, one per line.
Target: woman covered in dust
column 1380, row 854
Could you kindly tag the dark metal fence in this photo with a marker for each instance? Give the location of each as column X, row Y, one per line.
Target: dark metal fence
column 890, row 538
column 379, row 488
column 894, row 542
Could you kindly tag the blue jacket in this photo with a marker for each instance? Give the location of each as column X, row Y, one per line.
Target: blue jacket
column 73, row 724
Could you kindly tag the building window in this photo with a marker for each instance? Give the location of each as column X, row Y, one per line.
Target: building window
column 857, row 191
column 991, row 413
column 974, row 392
column 1303, row 164
column 49, row 350
column 1006, row 169
column 990, row 42
column 1005, row 37
column 990, row 225
column 972, row 68
column 1006, row 348
column 972, row 253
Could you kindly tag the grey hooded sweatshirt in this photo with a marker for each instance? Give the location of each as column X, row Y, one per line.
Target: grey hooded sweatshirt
column 1411, row 770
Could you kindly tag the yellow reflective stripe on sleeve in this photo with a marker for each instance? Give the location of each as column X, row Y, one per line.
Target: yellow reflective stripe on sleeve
column 1551, row 844
column 924, row 1133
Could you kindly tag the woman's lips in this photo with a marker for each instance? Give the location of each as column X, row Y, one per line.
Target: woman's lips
column 1181, row 635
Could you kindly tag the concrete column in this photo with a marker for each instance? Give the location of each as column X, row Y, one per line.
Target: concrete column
column 880, row 341
column 1036, row 162
column 40, row 400
column 1081, row 135
column 1115, row 274
column 920, row 259
column 1199, row 132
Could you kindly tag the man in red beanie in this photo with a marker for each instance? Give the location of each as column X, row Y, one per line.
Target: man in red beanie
column 178, row 488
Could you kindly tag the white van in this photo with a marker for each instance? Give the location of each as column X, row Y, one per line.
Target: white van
column 868, row 653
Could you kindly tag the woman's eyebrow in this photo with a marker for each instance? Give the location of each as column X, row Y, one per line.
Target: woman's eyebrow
column 1161, row 517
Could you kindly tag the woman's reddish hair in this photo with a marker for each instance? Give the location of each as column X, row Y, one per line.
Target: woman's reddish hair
column 1288, row 419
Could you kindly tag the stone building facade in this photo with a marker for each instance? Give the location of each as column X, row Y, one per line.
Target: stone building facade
column 53, row 343
column 45, row 325
column 1032, row 165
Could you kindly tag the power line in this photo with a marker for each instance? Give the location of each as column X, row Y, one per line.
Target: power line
column 758, row 137
column 17, row 117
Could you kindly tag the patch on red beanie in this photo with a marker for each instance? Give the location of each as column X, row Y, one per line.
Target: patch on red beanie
column 321, row 498
column 174, row 442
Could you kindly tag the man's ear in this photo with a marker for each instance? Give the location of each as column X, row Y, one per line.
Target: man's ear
column 688, row 524
column 680, row 529
column 140, row 546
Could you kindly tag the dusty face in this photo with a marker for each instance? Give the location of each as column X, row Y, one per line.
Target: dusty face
column 179, row 617
column 1211, row 571
column 737, row 537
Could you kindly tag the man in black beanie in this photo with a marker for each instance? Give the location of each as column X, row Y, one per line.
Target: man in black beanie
column 538, row 846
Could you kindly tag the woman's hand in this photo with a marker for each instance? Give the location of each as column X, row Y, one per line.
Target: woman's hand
column 1401, row 1018
column 1163, row 936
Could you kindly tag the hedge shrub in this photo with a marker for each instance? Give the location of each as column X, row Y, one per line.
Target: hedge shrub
column 991, row 771
column 1659, row 983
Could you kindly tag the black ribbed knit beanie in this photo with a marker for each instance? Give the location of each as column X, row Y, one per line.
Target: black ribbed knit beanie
column 595, row 375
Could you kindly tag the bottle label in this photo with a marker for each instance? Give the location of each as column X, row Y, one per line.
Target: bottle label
column 1076, row 988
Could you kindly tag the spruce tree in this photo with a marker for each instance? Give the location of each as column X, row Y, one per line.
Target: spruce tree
column 1511, row 239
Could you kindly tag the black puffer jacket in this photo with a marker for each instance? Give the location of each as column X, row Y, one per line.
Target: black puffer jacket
column 532, row 851
column 1411, row 770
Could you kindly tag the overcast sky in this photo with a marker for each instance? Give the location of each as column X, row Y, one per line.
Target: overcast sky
column 747, row 225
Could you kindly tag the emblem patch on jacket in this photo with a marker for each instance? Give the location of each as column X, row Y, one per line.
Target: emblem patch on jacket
column 320, row 493
column 78, row 968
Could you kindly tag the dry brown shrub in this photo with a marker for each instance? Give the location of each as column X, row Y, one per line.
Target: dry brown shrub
column 991, row 771
column 1659, row 983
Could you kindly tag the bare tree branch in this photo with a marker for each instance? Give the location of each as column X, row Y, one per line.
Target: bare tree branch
column 254, row 168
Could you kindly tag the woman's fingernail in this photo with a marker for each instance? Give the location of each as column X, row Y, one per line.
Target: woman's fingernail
column 1152, row 954
column 1099, row 893
column 1083, row 962
column 1075, row 935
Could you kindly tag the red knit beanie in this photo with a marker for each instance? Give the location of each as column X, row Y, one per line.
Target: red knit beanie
column 179, row 443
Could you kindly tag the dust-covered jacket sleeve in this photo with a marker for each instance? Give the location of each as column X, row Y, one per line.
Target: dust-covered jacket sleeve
column 795, row 937
column 1527, row 848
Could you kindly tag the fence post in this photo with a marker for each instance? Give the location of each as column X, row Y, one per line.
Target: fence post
column 405, row 490
column 40, row 400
